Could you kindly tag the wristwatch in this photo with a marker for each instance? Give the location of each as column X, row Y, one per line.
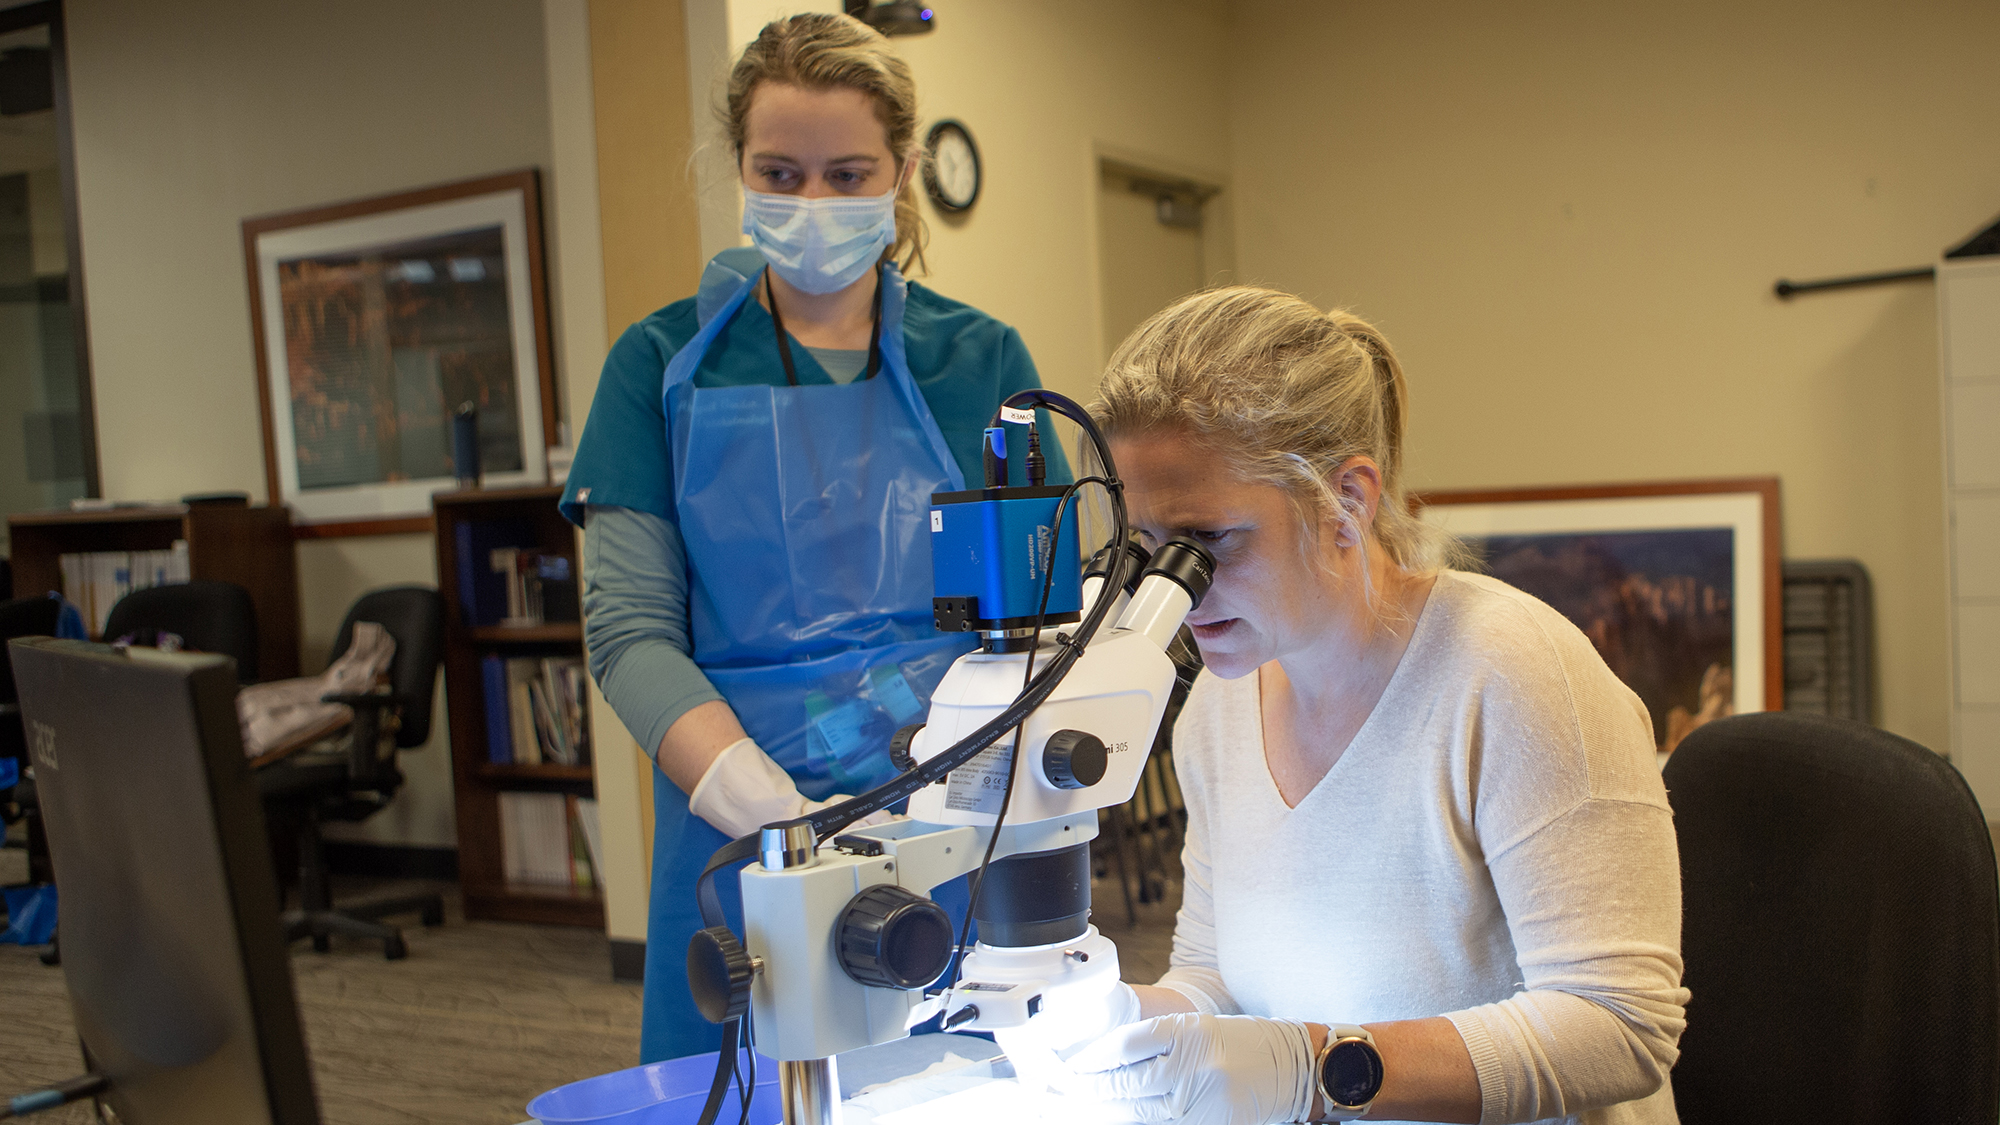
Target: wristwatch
column 1348, row 1071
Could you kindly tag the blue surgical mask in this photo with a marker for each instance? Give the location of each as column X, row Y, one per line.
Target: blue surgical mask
column 820, row 245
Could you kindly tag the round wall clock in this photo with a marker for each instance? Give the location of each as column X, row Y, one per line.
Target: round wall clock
column 951, row 169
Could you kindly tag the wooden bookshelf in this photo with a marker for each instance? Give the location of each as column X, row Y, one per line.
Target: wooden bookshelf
column 569, row 632
column 477, row 781
column 545, row 772
column 251, row 547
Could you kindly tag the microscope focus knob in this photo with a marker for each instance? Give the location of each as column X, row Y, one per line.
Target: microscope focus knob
column 893, row 938
column 1074, row 760
column 719, row 972
column 899, row 748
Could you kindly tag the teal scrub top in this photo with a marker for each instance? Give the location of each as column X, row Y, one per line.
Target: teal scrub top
column 964, row 361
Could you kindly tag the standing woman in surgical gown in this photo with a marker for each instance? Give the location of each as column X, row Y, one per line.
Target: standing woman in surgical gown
column 754, row 478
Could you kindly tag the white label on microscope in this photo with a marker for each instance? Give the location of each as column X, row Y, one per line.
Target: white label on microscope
column 980, row 784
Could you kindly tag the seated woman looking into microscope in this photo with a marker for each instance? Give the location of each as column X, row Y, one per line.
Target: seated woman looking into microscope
column 1430, row 867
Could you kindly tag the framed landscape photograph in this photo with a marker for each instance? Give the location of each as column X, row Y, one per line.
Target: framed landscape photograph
column 374, row 321
column 1676, row 583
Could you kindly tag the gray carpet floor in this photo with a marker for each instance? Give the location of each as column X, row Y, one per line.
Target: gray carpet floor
column 481, row 1016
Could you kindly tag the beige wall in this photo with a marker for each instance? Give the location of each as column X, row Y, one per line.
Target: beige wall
column 1048, row 87
column 193, row 116
column 1568, row 217
column 652, row 251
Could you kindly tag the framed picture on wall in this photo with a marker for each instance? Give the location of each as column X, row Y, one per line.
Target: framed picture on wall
column 374, row 320
column 1677, row 583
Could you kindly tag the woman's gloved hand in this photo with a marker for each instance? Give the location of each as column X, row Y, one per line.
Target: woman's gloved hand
column 743, row 790
column 1065, row 1025
column 1199, row 1070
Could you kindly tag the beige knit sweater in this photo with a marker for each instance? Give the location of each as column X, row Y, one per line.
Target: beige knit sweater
column 1494, row 846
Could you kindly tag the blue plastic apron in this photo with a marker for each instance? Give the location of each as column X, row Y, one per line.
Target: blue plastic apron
column 805, row 516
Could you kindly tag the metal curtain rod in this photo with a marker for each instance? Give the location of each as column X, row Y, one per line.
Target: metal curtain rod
column 1786, row 288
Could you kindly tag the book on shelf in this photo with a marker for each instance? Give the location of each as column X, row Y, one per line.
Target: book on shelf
column 582, row 860
column 521, row 710
column 482, row 592
column 537, row 710
column 545, row 839
column 499, row 722
column 585, row 811
column 93, row 581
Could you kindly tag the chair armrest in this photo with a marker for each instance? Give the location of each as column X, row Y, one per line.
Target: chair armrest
column 376, row 699
column 371, row 709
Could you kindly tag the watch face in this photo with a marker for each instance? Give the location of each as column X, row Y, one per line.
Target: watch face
column 1352, row 1073
column 952, row 174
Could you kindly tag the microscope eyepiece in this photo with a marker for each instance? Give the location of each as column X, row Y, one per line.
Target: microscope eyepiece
column 1188, row 563
column 1171, row 586
column 1099, row 565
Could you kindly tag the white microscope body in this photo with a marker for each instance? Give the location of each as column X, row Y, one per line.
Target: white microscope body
column 805, row 998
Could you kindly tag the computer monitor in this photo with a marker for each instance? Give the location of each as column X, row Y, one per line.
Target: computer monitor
column 168, row 907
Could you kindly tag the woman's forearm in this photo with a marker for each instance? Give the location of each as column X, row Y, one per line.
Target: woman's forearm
column 695, row 740
column 1157, row 1001
column 637, row 634
column 1427, row 1073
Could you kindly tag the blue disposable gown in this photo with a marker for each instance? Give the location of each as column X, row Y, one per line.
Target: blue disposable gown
column 963, row 363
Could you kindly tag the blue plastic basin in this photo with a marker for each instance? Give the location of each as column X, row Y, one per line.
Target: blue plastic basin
column 663, row 1092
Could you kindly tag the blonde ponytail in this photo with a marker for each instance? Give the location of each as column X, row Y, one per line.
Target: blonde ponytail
column 1285, row 395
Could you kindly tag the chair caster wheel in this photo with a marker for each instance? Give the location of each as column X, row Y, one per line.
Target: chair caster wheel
column 434, row 915
column 322, row 943
column 393, row 948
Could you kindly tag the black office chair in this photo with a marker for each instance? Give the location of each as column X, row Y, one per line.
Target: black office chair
column 1842, row 931
column 24, row 617
column 358, row 780
column 207, row 616
column 21, row 617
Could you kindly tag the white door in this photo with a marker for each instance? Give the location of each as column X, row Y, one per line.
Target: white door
column 1150, row 252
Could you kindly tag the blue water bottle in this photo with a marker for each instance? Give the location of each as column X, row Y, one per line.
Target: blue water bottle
column 465, row 445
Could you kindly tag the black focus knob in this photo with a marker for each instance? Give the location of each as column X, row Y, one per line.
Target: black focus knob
column 893, row 938
column 1074, row 760
column 718, row 974
column 899, row 748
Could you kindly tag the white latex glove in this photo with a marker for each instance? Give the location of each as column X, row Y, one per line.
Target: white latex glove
column 743, row 790
column 1065, row 1025
column 1200, row 1070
